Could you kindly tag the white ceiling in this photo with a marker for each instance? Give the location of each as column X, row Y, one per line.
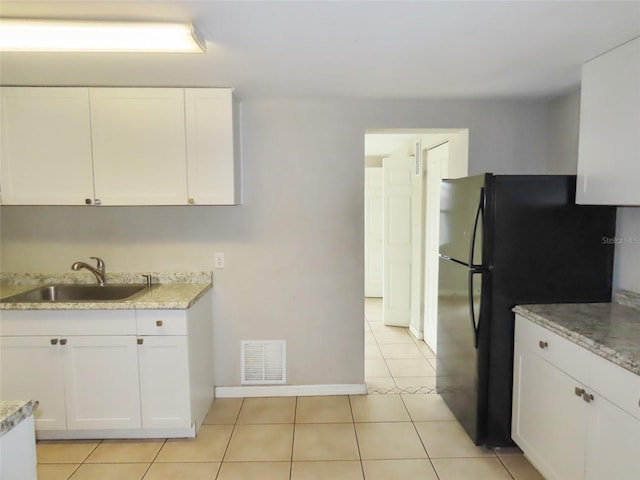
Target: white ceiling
column 339, row 49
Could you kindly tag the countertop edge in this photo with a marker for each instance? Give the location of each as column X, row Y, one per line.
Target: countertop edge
column 152, row 300
column 580, row 339
column 13, row 412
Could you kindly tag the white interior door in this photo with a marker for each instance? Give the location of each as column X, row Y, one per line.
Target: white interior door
column 373, row 215
column 397, row 192
column 437, row 169
column 417, row 243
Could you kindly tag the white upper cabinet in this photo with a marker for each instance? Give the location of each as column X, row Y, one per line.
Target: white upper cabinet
column 609, row 145
column 138, row 137
column 213, row 146
column 120, row 146
column 46, row 146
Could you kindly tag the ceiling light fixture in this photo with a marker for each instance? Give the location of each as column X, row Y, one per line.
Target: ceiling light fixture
column 18, row 35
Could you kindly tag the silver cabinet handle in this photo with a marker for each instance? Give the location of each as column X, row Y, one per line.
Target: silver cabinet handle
column 54, row 341
column 63, row 341
column 97, row 201
column 543, row 344
column 587, row 397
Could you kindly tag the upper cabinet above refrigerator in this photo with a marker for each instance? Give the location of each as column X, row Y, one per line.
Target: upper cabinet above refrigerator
column 609, row 145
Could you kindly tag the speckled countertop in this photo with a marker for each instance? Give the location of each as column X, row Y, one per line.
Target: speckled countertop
column 611, row 330
column 169, row 291
column 12, row 412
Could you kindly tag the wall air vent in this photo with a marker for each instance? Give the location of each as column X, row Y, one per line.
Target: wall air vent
column 263, row 362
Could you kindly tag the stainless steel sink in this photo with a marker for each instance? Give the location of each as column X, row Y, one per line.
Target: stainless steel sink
column 77, row 293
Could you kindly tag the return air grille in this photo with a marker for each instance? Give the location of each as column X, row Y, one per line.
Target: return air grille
column 263, row 362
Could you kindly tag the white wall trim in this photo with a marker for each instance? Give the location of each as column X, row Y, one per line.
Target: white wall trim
column 290, row 390
column 130, row 433
column 415, row 332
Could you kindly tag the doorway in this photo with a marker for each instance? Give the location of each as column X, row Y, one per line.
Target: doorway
column 400, row 250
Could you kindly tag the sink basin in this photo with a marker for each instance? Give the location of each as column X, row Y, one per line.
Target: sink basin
column 76, row 293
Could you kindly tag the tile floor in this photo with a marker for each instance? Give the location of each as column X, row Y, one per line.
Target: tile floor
column 395, row 362
column 394, row 436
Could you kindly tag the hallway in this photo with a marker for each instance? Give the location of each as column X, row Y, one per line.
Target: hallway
column 394, row 361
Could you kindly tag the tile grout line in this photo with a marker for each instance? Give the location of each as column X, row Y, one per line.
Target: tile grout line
column 153, row 460
column 355, row 432
column 293, row 437
column 504, row 466
column 233, row 429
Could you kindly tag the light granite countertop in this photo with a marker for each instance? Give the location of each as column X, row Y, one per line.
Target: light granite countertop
column 611, row 330
column 169, row 291
column 12, row 412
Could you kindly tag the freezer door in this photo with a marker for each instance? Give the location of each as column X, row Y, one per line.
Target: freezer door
column 460, row 201
column 457, row 367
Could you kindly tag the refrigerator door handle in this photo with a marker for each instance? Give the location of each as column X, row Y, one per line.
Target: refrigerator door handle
column 479, row 215
column 475, row 324
column 449, row 259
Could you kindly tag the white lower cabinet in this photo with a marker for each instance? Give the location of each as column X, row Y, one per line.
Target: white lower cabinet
column 32, row 368
column 101, row 382
column 613, row 443
column 564, row 418
column 164, row 381
column 154, row 380
column 546, row 415
column 81, row 382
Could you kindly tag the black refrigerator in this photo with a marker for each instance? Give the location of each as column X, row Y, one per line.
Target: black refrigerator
column 507, row 240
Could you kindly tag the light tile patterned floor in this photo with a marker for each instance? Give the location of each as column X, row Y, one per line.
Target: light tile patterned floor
column 368, row 437
column 396, row 436
column 395, row 362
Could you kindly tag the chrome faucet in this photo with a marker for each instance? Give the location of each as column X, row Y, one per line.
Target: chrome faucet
column 98, row 270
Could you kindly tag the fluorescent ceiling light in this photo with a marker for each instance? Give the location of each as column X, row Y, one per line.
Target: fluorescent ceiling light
column 91, row 36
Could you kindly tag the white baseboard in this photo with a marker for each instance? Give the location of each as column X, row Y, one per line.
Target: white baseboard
column 416, row 334
column 189, row 432
column 290, row 390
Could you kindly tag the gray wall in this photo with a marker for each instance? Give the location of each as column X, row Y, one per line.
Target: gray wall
column 564, row 127
column 294, row 250
column 564, row 116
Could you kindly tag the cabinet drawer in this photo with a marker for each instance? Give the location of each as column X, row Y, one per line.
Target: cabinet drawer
column 619, row 386
column 565, row 355
column 67, row 322
column 161, row 322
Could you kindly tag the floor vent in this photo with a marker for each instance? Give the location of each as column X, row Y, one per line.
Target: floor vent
column 263, row 362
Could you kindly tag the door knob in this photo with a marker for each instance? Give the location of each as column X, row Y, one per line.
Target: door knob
column 542, row 344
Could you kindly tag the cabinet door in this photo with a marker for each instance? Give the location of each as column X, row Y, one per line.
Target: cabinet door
column 32, row 368
column 609, row 126
column 46, row 146
column 549, row 420
column 213, row 148
column 101, row 382
column 613, row 443
column 164, row 382
column 139, row 152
